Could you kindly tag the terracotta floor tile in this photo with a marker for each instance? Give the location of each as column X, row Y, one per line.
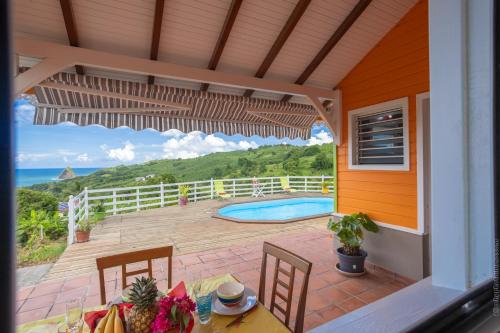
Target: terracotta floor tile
column 351, row 304
column 208, row 257
column 333, row 294
column 23, row 293
column 316, row 301
column 47, row 288
column 32, row 315
column 332, row 277
column 372, row 295
column 316, row 283
column 312, row 320
column 38, row 302
column 353, row 286
column 331, row 312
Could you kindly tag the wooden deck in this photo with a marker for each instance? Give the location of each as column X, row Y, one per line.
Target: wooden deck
column 189, row 229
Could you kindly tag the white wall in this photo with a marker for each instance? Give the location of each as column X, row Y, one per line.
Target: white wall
column 460, row 41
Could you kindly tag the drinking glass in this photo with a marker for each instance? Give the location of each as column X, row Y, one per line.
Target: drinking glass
column 73, row 315
column 202, row 296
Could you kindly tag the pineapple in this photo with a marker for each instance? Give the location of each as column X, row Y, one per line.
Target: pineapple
column 143, row 295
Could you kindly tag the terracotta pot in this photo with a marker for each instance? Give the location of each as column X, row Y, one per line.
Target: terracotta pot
column 82, row 236
column 183, row 201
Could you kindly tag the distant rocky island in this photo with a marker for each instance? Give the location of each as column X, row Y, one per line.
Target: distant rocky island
column 67, row 173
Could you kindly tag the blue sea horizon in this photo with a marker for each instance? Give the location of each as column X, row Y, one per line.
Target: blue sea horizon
column 28, row 177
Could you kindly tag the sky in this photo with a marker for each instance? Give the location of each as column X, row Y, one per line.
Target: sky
column 62, row 145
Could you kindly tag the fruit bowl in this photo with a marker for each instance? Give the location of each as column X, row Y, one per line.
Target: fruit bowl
column 230, row 293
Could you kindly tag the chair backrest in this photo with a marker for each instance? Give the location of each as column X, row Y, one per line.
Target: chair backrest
column 296, row 263
column 123, row 259
column 284, row 182
column 219, row 186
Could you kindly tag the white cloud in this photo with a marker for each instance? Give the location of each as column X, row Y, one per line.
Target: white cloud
column 320, row 138
column 197, row 144
column 24, row 113
column 173, row 133
column 83, row 158
column 125, row 154
column 32, row 157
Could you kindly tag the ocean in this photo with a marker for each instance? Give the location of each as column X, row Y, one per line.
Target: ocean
column 28, row 177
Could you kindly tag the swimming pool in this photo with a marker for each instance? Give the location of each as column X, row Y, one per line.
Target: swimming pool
column 277, row 211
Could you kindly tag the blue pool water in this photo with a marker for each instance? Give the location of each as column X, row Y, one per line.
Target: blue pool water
column 283, row 209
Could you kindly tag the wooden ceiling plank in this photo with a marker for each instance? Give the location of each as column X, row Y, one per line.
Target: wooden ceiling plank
column 223, row 37
column 290, row 24
column 155, row 40
column 69, row 22
column 330, row 44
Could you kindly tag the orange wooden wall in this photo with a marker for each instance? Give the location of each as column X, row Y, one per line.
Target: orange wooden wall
column 397, row 67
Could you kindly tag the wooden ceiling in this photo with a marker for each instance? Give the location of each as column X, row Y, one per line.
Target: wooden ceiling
column 313, row 42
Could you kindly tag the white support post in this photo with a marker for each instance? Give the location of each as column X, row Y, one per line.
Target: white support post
column 162, row 196
column 234, row 188
column 195, row 195
column 272, row 185
column 114, row 202
column 211, row 188
column 305, row 183
column 71, row 220
column 137, row 200
column 322, row 181
column 86, row 203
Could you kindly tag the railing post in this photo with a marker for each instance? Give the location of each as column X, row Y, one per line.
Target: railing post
column 71, row 220
column 211, row 188
column 195, row 195
column 322, row 181
column 272, row 185
column 162, row 196
column 86, row 201
column 114, row 202
column 234, row 188
column 137, row 200
column 305, row 183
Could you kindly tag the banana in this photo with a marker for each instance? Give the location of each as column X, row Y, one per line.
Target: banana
column 118, row 328
column 102, row 324
column 111, row 320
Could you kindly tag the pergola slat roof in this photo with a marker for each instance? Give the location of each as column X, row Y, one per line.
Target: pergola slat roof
column 311, row 43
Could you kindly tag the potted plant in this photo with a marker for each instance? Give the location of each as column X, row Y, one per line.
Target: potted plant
column 183, row 194
column 83, row 229
column 349, row 230
column 324, row 187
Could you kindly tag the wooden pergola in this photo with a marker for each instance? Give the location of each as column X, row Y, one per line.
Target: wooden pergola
column 250, row 67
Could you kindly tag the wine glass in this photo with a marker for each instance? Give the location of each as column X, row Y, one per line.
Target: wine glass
column 73, row 315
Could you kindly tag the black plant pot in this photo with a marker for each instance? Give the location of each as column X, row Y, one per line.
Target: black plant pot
column 351, row 264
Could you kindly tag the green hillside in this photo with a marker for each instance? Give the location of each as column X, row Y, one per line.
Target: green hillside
column 263, row 161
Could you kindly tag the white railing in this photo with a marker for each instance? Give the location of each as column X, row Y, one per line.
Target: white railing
column 136, row 198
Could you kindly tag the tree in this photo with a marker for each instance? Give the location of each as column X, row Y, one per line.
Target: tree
column 218, row 173
column 322, row 162
column 291, row 166
column 311, row 151
column 29, row 200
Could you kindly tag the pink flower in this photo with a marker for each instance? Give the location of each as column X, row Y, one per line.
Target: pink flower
column 167, row 319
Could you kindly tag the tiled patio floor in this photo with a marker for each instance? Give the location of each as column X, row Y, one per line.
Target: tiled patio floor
column 330, row 293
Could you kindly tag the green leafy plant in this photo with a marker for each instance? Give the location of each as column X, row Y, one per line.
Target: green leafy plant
column 86, row 225
column 98, row 212
column 184, row 190
column 326, row 183
column 40, row 225
column 349, row 230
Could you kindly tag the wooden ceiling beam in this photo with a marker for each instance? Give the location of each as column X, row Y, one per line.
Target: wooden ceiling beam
column 57, row 57
column 292, row 21
column 69, row 22
column 223, row 37
column 330, row 44
column 155, row 40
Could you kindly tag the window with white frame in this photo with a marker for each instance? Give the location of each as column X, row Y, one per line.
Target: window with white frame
column 378, row 136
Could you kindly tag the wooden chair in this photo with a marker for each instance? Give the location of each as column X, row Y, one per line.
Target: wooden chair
column 295, row 263
column 123, row 259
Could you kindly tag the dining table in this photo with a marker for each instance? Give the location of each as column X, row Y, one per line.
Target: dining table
column 257, row 320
